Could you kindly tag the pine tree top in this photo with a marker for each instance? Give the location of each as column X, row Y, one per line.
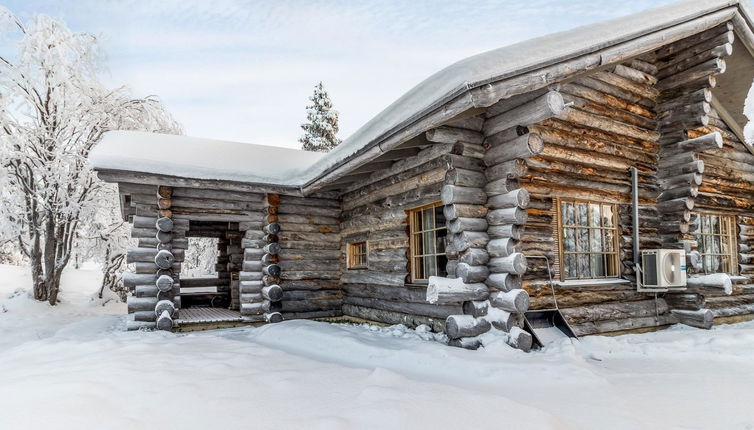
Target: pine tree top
column 321, row 128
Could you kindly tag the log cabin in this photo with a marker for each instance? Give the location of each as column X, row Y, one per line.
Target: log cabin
column 525, row 178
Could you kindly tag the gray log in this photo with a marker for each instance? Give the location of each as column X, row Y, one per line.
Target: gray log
column 255, row 308
column 503, row 281
column 452, row 194
column 516, row 216
column 164, row 224
column 520, row 339
column 272, row 293
column 454, row 211
column 504, row 320
column 507, row 170
column 468, row 239
column 471, row 274
column 465, row 178
column 164, row 259
column 702, row 318
column 507, row 230
column 500, row 186
column 136, row 304
column 139, row 325
column 514, row 263
column 546, row 106
column 476, row 308
column 164, row 321
column 457, row 326
column 512, row 199
column 446, row 291
column 471, row 343
column 447, row 134
column 474, row 257
column 502, row 247
column 521, row 147
column 164, row 306
column 511, row 301
column 164, row 283
column 459, row 225
column 146, row 316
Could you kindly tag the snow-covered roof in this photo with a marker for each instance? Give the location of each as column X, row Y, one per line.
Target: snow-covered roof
column 197, row 158
column 456, row 79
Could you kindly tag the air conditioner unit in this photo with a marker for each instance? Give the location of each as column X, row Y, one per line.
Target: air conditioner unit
column 663, row 270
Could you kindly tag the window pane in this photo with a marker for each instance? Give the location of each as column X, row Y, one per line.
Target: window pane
column 582, row 243
column 594, row 215
column 598, row 265
column 583, row 262
column 567, row 213
column 581, row 214
column 589, row 244
column 569, row 239
column 608, row 240
column 607, row 215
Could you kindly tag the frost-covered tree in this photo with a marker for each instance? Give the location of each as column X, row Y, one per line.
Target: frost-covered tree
column 53, row 109
column 321, row 128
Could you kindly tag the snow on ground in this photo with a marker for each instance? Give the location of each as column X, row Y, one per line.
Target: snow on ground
column 73, row 366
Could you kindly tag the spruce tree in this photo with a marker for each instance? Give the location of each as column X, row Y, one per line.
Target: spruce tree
column 321, row 129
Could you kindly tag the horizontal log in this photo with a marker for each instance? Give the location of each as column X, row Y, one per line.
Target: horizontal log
column 476, row 308
column 513, row 199
column 457, row 326
column 418, row 309
column 511, row 301
column 546, row 106
column 684, row 301
column 504, row 231
column 474, row 257
column 702, row 318
column 471, row 274
column 520, row 339
column 470, row 343
column 443, row 290
column 454, row 211
column 503, row 281
column 141, row 304
column 391, row 317
column 719, row 281
column 515, row 216
column 452, row 194
column 507, row 170
column 255, row 308
column 459, row 225
column 467, row 239
column 445, row 134
column 615, row 311
column 502, row 247
column 147, row 255
column 514, row 263
column 521, row 147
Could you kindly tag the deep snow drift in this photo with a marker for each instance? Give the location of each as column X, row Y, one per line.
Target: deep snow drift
column 74, row 367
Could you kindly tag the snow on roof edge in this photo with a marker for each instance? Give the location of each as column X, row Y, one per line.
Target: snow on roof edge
column 502, row 63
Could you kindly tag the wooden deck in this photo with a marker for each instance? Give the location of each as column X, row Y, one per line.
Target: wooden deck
column 193, row 319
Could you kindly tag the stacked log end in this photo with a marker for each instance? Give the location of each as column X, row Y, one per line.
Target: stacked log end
column 463, row 197
column 157, row 262
column 260, row 276
column 686, row 72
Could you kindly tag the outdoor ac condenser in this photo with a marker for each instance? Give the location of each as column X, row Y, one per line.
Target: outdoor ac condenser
column 663, row 270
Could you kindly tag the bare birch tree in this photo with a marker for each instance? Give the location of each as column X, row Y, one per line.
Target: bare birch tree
column 53, row 110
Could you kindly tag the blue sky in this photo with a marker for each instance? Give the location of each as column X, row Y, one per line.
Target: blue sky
column 242, row 70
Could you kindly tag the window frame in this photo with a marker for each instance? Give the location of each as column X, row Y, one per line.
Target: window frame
column 731, row 239
column 351, row 247
column 412, row 233
column 560, row 237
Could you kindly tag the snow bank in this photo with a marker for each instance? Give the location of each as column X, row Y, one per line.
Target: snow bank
column 76, row 361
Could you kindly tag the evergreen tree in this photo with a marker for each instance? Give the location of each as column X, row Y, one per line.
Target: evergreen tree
column 320, row 132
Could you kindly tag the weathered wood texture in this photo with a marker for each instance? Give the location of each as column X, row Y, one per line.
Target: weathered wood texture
column 308, row 261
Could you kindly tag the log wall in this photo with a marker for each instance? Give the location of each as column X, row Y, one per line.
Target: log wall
column 308, row 256
column 374, row 211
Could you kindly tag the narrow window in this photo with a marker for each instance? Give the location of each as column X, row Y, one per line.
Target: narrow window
column 716, row 237
column 428, row 235
column 588, row 240
column 357, row 255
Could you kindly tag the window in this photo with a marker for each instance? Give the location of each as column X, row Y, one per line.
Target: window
column 716, row 237
column 357, row 255
column 588, row 240
column 428, row 235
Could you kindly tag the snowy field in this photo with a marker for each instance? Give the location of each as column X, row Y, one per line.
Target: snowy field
column 74, row 367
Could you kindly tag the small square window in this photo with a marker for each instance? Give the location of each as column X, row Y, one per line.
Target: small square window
column 357, row 255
